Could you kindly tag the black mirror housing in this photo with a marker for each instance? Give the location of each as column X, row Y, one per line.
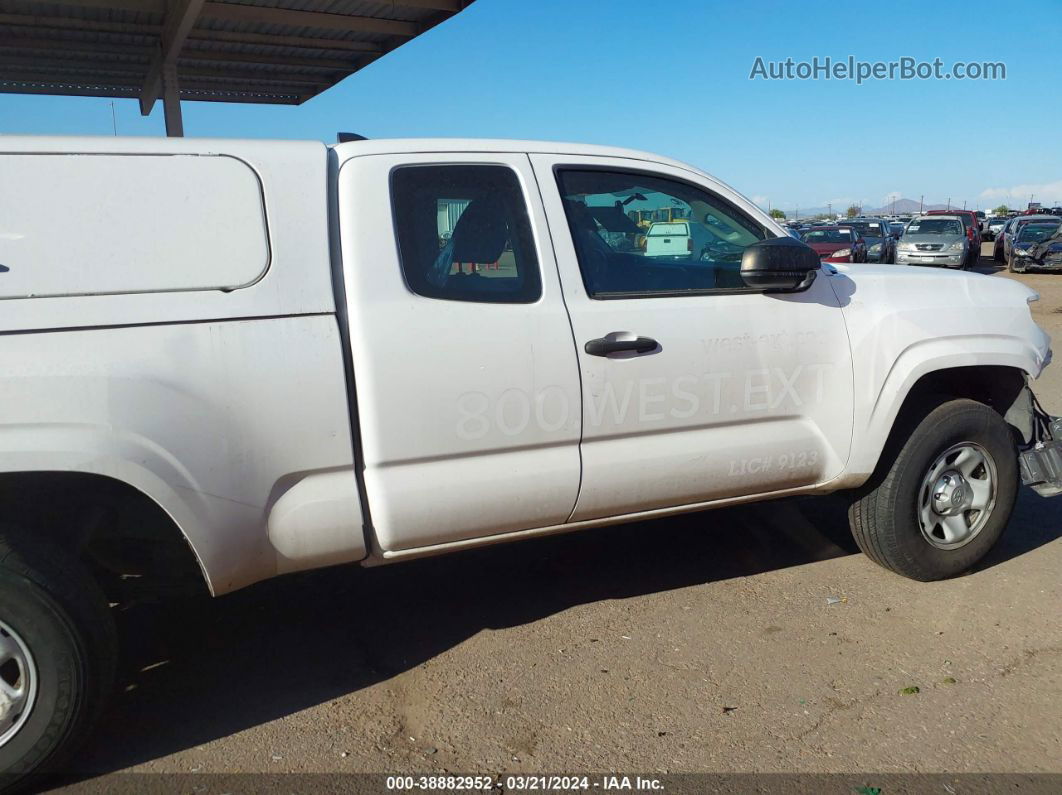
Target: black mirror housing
column 779, row 264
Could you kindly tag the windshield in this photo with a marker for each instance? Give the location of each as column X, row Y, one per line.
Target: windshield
column 967, row 220
column 678, row 230
column 868, row 230
column 935, row 226
column 1034, row 233
column 828, row 236
column 1021, row 223
column 896, row 229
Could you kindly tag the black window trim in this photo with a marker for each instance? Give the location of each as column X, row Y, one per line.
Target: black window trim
column 641, row 295
column 530, row 225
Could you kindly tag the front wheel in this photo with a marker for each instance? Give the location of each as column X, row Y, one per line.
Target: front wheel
column 944, row 491
column 57, row 655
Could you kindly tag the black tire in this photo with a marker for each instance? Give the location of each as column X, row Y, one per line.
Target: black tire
column 51, row 603
column 884, row 514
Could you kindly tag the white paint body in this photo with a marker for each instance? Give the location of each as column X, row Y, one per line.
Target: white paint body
column 197, row 347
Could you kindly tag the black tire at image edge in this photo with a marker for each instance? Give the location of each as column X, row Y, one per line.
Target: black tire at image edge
column 58, row 611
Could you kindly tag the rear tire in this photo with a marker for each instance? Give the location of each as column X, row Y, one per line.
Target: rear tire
column 894, row 518
column 58, row 638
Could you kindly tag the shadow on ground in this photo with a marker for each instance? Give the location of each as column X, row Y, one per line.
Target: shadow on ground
column 198, row 670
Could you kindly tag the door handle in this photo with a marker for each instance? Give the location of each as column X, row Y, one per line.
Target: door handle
column 604, row 346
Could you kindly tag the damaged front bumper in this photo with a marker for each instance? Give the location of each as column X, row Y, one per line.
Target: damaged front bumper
column 1040, row 461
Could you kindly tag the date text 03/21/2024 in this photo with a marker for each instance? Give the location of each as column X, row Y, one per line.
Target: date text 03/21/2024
column 523, row 782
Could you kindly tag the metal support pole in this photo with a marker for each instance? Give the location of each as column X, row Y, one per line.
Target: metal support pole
column 171, row 102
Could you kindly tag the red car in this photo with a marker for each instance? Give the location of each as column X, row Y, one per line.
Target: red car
column 973, row 230
column 836, row 243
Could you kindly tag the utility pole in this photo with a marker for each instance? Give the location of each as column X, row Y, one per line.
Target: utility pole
column 964, row 205
column 920, row 203
column 114, row 120
column 949, row 202
column 829, row 210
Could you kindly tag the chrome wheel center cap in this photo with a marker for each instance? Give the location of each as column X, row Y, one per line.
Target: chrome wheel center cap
column 951, row 494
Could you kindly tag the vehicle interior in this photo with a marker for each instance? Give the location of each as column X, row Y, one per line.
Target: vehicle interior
column 610, row 215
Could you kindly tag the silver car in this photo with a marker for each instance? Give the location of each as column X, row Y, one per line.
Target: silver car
column 934, row 240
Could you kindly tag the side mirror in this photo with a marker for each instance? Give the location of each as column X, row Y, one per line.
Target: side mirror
column 779, row 264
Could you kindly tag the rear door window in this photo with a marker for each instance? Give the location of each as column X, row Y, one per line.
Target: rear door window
column 464, row 233
column 664, row 230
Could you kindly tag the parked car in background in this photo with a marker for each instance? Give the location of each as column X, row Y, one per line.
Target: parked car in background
column 1026, row 253
column 1005, row 239
column 683, row 239
column 972, row 225
column 881, row 245
column 992, row 227
column 837, row 244
column 940, row 240
column 896, row 228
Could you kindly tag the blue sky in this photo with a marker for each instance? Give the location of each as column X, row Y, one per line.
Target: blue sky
column 673, row 78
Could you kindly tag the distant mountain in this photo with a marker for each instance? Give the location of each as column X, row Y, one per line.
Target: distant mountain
column 902, row 206
column 899, row 207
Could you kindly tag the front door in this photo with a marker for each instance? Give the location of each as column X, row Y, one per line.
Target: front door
column 695, row 387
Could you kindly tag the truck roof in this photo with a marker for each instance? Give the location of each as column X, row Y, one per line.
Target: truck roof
column 267, row 147
column 382, row 145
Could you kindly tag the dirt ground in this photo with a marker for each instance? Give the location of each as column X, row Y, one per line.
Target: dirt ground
column 699, row 643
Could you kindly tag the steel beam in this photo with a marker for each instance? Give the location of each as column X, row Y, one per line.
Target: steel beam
column 171, row 102
column 175, row 29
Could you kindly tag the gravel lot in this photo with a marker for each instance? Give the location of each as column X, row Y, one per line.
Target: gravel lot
column 700, row 643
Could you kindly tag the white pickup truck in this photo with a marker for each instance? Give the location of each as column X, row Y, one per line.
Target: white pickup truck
column 263, row 357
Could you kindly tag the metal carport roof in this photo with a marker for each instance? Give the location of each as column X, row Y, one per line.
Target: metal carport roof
column 262, row 51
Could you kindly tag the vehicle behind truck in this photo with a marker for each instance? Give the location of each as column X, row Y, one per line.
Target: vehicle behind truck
column 225, row 361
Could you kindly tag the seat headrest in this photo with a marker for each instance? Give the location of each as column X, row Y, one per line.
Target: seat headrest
column 481, row 232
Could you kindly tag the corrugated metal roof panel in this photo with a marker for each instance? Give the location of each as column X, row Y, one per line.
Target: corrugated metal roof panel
column 78, row 46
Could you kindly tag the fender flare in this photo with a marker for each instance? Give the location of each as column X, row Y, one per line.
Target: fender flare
column 919, row 360
column 130, row 459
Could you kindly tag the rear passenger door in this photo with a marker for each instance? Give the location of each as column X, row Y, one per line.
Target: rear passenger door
column 695, row 387
column 466, row 377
